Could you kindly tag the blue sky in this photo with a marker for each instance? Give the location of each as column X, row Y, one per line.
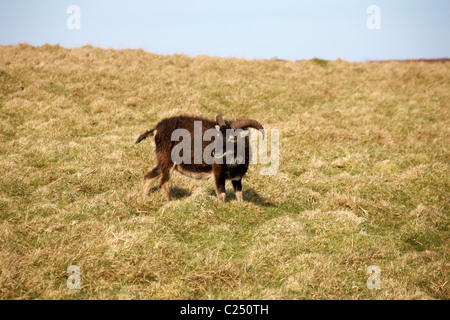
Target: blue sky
column 284, row 29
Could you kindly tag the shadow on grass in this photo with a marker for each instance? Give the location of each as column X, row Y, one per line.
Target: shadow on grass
column 252, row 196
column 179, row 193
column 175, row 192
column 249, row 195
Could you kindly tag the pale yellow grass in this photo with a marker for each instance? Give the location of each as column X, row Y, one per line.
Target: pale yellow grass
column 363, row 178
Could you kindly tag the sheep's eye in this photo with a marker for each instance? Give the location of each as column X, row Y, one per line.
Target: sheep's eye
column 232, row 138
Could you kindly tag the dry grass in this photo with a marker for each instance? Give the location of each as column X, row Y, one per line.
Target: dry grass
column 363, row 179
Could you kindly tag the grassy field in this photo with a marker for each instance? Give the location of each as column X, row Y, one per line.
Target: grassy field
column 363, row 178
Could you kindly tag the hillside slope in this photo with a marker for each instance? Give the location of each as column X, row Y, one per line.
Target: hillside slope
column 363, row 178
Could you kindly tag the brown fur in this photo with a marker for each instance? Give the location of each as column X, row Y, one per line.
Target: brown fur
column 164, row 166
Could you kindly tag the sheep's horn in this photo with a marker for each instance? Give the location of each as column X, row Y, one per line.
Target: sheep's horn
column 220, row 120
column 247, row 123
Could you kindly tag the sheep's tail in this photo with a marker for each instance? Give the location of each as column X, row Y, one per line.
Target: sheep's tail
column 145, row 135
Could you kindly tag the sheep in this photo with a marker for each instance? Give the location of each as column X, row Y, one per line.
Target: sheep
column 219, row 159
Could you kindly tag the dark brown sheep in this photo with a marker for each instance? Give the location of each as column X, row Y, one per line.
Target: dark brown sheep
column 228, row 163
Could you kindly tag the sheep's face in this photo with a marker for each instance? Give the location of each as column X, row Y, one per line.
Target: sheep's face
column 231, row 145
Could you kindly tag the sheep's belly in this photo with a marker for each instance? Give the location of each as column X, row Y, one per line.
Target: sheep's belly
column 195, row 175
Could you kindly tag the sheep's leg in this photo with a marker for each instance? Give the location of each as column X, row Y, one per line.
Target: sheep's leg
column 149, row 178
column 164, row 182
column 237, row 186
column 219, row 180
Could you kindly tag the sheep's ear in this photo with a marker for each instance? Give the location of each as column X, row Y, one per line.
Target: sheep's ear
column 217, row 127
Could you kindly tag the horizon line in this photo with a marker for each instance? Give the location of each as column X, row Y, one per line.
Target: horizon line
column 427, row 60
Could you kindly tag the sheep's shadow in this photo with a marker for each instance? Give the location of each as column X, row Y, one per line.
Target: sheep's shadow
column 252, row 196
column 249, row 195
column 175, row 192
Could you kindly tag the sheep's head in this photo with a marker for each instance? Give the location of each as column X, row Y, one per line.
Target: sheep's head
column 235, row 137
